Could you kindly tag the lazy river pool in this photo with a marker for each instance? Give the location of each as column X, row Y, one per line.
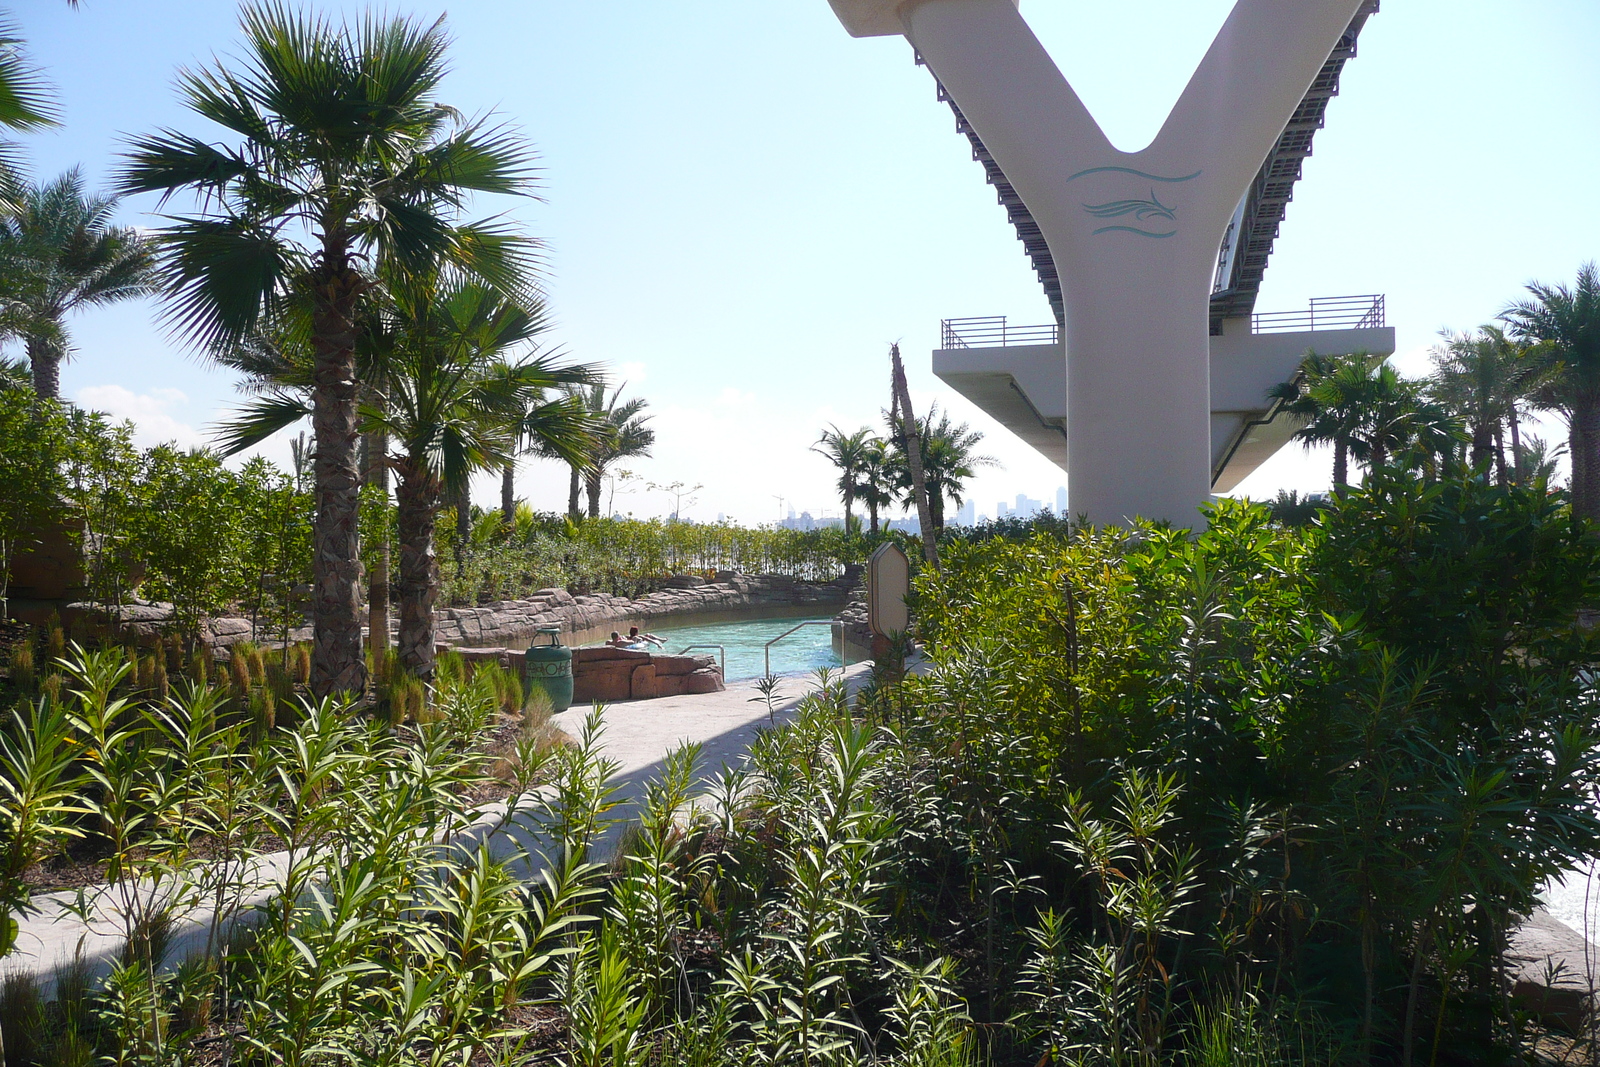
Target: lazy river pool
column 800, row 653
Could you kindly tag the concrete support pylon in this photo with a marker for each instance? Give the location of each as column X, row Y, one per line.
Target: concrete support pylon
column 1134, row 235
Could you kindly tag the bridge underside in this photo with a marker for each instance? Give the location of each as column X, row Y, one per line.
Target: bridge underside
column 1023, row 385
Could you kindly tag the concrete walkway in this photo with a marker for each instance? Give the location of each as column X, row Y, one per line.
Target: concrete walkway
column 638, row 736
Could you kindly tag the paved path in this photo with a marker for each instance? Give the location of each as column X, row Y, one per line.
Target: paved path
column 638, row 735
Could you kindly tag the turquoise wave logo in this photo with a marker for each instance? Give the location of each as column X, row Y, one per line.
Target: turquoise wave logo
column 1142, row 210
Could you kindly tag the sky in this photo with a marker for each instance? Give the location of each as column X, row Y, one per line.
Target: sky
column 743, row 207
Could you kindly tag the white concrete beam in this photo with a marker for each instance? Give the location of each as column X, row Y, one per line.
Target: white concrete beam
column 1024, row 388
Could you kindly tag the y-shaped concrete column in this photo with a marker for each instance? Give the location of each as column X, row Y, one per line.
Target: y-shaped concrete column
column 1134, row 235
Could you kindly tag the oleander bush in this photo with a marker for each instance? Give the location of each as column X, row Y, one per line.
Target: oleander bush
column 1260, row 795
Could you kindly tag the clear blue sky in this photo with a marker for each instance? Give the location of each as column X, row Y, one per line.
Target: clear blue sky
column 743, row 205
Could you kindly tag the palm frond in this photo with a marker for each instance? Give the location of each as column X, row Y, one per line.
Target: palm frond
column 259, row 420
column 222, row 276
column 26, row 99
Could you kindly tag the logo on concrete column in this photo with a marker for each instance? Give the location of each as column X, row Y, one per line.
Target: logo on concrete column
column 1141, row 209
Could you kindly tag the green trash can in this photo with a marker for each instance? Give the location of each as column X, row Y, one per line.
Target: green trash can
column 549, row 667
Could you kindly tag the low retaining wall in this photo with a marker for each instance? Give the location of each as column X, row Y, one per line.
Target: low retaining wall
column 609, row 674
column 582, row 618
column 592, row 616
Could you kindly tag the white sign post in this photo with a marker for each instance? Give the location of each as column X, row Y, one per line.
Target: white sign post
column 888, row 583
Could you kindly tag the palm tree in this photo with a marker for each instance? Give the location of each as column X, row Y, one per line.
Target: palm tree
column 1398, row 420
column 60, row 254
column 1536, row 460
column 1567, row 323
column 1486, row 378
column 905, row 431
column 455, row 404
column 345, row 163
column 545, row 420
column 876, row 489
column 847, row 453
column 949, row 459
column 1328, row 397
column 620, row 433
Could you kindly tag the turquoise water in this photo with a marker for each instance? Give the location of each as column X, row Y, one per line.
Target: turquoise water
column 800, row 653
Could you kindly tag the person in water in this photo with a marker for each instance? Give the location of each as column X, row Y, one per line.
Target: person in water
column 617, row 640
column 651, row 639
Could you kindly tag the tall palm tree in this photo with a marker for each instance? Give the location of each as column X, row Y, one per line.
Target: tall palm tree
column 1486, row 378
column 339, row 160
column 1567, row 323
column 876, row 489
column 847, row 452
column 620, row 433
column 61, row 254
column 455, row 404
column 949, row 459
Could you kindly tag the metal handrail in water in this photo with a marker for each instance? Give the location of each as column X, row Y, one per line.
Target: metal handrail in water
column 719, row 648
column 766, row 651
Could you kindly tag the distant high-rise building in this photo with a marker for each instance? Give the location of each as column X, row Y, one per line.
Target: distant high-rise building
column 1001, row 510
column 1061, row 500
column 967, row 514
column 1027, row 507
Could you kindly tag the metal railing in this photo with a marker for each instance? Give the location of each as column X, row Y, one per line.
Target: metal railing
column 1364, row 312
column 766, row 652
column 722, row 651
column 1361, row 312
column 992, row 331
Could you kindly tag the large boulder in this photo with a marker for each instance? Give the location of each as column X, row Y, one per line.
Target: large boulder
column 1548, row 965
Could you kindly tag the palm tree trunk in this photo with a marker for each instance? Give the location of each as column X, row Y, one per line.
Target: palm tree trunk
column 508, row 489
column 849, row 501
column 377, row 447
column 919, row 486
column 573, row 489
column 1500, row 457
column 1516, row 445
column 591, row 487
column 46, row 361
column 1481, row 443
column 418, row 497
column 337, row 663
column 1585, row 447
column 872, row 515
column 1341, row 465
